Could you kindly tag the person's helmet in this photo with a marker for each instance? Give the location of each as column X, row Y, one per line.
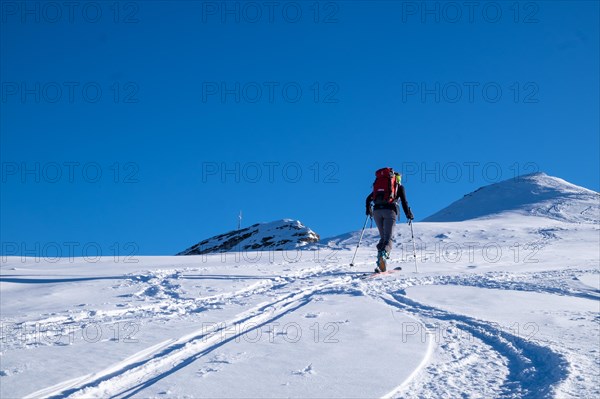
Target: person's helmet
column 398, row 177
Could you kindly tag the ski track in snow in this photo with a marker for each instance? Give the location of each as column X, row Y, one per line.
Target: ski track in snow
column 129, row 377
column 522, row 368
column 534, row 371
column 160, row 286
column 550, row 282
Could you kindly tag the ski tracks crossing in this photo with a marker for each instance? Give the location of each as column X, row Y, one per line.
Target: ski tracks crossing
column 508, row 365
column 132, row 375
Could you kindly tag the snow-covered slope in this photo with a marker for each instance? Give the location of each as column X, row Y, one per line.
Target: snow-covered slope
column 275, row 236
column 536, row 194
column 505, row 306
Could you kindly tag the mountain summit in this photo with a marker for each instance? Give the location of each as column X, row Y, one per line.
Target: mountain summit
column 278, row 235
column 535, row 194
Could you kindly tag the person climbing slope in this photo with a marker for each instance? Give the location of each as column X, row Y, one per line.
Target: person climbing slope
column 387, row 190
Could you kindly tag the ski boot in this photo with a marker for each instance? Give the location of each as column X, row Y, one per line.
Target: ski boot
column 382, row 257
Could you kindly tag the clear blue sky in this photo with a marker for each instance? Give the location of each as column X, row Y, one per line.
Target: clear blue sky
column 155, row 122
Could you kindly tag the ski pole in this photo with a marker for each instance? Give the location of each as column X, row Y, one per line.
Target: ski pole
column 359, row 240
column 414, row 247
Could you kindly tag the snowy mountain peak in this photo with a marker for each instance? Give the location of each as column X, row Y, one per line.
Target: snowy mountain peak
column 535, row 194
column 278, row 235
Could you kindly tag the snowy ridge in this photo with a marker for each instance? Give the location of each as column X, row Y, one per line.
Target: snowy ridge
column 278, row 235
column 536, row 194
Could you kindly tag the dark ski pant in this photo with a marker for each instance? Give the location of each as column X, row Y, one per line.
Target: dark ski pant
column 385, row 219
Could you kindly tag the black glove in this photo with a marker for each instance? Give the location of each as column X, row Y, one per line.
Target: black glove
column 369, row 212
column 409, row 215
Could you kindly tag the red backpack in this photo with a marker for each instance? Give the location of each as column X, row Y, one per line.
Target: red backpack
column 384, row 187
